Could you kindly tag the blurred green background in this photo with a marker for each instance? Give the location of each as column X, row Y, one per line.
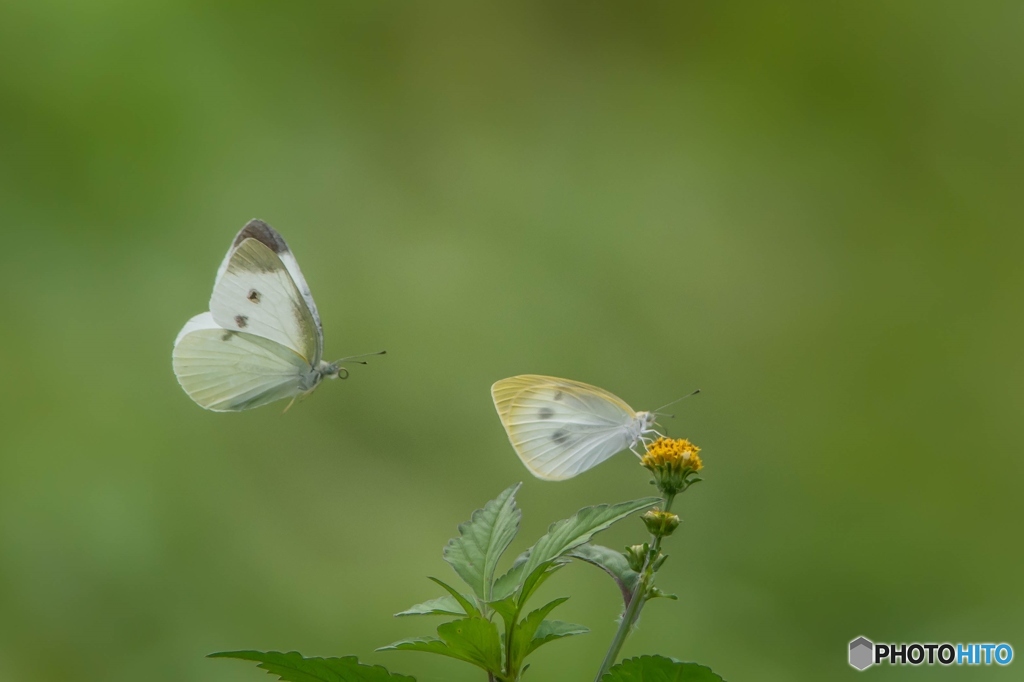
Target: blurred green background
column 811, row 211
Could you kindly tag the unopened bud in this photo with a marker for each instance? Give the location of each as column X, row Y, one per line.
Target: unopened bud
column 636, row 556
column 659, row 523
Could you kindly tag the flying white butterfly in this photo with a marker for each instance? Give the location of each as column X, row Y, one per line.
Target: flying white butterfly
column 262, row 340
column 561, row 428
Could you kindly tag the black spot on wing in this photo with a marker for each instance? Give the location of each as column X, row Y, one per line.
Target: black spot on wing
column 264, row 234
column 253, row 296
column 546, row 412
column 242, row 321
column 559, row 395
column 226, row 336
column 560, row 436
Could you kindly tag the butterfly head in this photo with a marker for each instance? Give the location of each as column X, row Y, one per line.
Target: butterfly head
column 332, row 370
column 645, row 423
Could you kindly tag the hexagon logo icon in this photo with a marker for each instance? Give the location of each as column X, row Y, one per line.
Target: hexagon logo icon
column 862, row 653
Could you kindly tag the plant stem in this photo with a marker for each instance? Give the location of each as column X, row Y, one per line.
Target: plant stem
column 508, row 647
column 636, row 601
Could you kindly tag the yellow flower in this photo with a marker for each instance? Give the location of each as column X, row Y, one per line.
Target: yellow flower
column 677, row 454
column 672, row 461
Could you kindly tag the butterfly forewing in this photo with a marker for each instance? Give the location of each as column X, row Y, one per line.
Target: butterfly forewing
column 226, row 370
column 255, row 294
column 271, row 238
column 560, row 428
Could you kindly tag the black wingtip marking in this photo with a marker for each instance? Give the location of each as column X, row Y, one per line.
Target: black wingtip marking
column 264, row 234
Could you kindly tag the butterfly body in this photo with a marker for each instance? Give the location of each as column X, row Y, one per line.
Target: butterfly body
column 561, row 428
column 261, row 340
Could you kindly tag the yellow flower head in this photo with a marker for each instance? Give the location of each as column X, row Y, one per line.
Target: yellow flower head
column 677, row 454
column 673, row 461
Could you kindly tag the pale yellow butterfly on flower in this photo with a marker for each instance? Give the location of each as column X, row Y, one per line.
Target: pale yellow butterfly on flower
column 561, row 428
column 261, row 340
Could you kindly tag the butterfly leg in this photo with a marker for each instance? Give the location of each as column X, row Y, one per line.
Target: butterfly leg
column 645, row 440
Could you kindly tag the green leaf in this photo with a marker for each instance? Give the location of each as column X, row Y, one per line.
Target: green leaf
column 427, row 645
column 602, row 517
column 659, row 669
column 524, row 637
column 656, row 593
column 611, row 562
column 510, row 581
column 538, row 578
column 570, row 533
column 474, row 640
column 483, row 539
column 507, row 609
column 550, row 630
column 523, row 634
column 463, row 601
column 293, row 667
column 442, row 606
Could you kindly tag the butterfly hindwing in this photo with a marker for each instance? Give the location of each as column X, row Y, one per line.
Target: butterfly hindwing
column 225, row 370
column 255, row 294
column 560, row 428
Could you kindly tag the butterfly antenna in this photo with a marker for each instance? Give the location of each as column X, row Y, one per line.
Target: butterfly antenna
column 355, row 358
column 659, row 410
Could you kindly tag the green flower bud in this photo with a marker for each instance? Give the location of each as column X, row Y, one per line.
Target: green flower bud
column 659, row 523
column 636, row 556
